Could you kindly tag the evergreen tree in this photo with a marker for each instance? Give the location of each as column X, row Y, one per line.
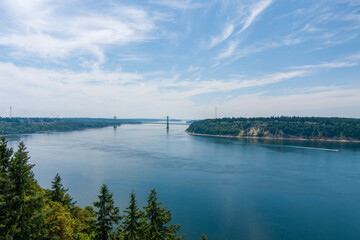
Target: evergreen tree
column 158, row 219
column 5, row 156
column 203, row 237
column 106, row 215
column 59, row 193
column 24, row 200
column 132, row 225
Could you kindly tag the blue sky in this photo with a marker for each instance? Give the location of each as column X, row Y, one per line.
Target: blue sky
column 179, row 58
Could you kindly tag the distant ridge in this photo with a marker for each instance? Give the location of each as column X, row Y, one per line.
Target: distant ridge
column 302, row 128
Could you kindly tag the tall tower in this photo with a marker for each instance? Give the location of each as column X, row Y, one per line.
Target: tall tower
column 215, row 112
column 115, row 126
column 167, row 123
column 10, row 112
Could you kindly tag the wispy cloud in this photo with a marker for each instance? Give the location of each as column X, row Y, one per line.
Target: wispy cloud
column 228, row 51
column 323, row 102
column 133, row 58
column 227, row 31
column 327, row 65
column 349, row 61
column 187, row 89
column 255, row 10
column 193, row 69
column 43, row 29
column 178, row 4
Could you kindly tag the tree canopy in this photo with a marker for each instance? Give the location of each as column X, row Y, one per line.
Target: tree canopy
column 281, row 127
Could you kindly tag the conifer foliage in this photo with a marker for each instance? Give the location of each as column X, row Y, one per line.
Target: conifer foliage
column 158, row 219
column 5, row 155
column 59, row 194
column 133, row 224
column 23, row 202
column 203, row 237
column 107, row 214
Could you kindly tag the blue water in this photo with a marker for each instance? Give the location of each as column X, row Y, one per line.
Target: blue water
column 225, row 188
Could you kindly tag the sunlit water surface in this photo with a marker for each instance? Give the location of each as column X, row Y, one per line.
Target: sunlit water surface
column 226, row 188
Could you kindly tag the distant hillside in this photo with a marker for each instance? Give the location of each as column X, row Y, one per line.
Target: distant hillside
column 32, row 125
column 316, row 128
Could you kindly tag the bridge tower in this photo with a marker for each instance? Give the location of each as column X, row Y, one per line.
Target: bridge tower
column 167, row 123
column 115, row 126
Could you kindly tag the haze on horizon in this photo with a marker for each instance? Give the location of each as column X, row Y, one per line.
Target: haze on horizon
column 179, row 58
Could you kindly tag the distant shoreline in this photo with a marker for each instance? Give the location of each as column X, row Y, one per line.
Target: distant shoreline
column 274, row 138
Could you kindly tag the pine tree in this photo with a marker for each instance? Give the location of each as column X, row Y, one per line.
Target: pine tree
column 158, row 219
column 5, row 156
column 59, row 194
column 132, row 225
column 23, row 200
column 106, row 215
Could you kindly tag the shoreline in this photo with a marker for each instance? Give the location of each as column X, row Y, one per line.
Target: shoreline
column 270, row 138
column 55, row 131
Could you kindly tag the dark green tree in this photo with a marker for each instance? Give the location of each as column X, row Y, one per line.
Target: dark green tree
column 5, row 156
column 59, row 194
column 158, row 218
column 24, row 201
column 203, row 237
column 132, row 226
column 107, row 215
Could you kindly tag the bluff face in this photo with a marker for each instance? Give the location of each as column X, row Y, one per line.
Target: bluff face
column 314, row 128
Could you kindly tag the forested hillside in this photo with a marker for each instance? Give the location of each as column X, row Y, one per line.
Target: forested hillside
column 32, row 125
column 281, row 127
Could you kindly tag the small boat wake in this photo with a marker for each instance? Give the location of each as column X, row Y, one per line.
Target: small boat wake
column 301, row 147
column 314, row 148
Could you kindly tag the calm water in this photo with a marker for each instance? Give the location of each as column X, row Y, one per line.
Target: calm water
column 226, row 188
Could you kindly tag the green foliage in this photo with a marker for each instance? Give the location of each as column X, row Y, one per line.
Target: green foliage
column 59, row 194
column 133, row 223
column 31, row 125
column 60, row 223
column 5, row 155
column 24, row 219
column 158, row 218
column 85, row 220
column 284, row 127
column 203, row 237
column 107, row 215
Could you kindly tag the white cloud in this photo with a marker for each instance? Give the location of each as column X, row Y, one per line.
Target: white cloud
column 325, row 102
column 44, row 92
column 42, row 28
column 187, row 89
column 349, row 61
column 193, row 69
column 255, row 10
column 230, row 49
column 99, row 93
column 327, row 65
column 227, row 31
column 178, row 4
